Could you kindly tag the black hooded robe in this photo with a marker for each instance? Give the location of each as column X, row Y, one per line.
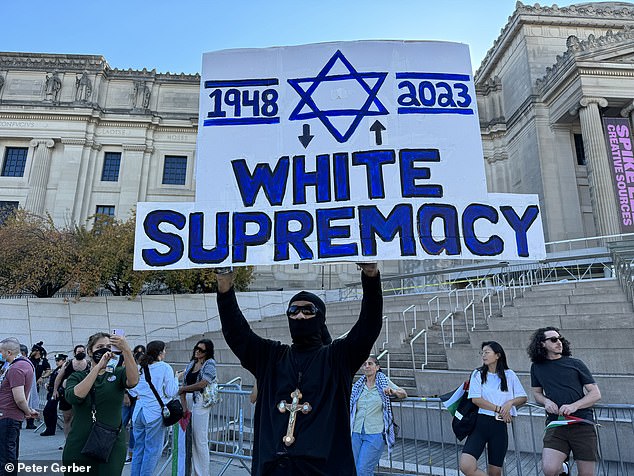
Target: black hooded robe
column 322, row 437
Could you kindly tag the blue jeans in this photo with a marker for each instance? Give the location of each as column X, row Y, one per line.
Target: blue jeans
column 148, row 445
column 9, row 444
column 126, row 416
column 367, row 450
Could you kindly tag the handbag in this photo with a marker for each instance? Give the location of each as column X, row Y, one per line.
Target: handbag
column 464, row 420
column 210, row 394
column 101, row 438
column 171, row 412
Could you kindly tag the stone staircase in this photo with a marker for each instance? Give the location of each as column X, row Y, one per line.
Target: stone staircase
column 395, row 337
column 594, row 315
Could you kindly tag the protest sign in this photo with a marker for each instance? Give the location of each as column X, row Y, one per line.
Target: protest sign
column 354, row 151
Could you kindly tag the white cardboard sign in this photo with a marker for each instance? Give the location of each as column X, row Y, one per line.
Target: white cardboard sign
column 353, row 151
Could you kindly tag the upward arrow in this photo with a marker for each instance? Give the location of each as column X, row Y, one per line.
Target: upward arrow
column 377, row 128
column 305, row 138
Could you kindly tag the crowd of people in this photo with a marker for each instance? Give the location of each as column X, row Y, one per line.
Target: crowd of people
column 107, row 383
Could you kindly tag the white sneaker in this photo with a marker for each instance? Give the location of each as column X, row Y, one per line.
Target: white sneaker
column 565, row 470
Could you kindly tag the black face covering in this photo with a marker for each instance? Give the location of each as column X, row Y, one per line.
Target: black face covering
column 307, row 333
column 80, row 355
column 98, row 354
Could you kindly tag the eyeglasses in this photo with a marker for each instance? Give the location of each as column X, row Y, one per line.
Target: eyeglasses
column 554, row 340
column 199, row 349
column 307, row 310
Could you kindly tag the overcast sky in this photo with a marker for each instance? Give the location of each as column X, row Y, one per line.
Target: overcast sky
column 171, row 36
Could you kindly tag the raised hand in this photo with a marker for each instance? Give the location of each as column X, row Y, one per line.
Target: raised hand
column 224, row 278
column 369, row 269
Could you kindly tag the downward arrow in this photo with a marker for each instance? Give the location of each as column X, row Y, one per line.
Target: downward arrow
column 377, row 128
column 305, row 138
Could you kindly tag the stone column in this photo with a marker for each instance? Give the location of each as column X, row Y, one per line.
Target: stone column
column 628, row 111
column 602, row 194
column 38, row 179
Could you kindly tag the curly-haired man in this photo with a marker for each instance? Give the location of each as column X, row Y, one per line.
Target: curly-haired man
column 564, row 386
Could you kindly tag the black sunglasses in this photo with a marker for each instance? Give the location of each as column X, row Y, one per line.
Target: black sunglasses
column 199, row 349
column 554, row 340
column 307, row 310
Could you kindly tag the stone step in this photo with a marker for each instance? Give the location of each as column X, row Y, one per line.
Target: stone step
column 567, row 309
column 581, row 321
column 604, row 297
column 529, row 300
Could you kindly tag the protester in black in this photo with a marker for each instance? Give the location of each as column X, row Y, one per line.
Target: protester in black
column 564, row 386
column 320, row 442
column 77, row 364
column 50, row 410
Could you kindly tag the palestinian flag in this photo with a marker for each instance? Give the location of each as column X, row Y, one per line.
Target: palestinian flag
column 181, row 433
column 565, row 420
column 451, row 400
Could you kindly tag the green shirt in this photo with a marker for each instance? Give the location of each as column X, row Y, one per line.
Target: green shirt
column 109, row 389
column 369, row 413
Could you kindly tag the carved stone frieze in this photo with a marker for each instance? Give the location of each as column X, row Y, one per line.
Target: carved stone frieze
column 611, row 10
column 575, row 47
column 50, row 62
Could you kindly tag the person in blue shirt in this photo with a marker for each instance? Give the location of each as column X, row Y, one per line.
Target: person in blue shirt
column 148, row 428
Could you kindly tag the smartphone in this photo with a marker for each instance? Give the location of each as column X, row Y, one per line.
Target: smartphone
column 117, row 332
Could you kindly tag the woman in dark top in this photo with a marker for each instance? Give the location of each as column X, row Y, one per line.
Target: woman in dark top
column 199, row 373
column 109, row 388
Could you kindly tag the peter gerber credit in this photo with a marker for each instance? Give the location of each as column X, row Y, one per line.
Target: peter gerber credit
column 48, row 468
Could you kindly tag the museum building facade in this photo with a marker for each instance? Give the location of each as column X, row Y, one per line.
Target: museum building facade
column 78, row 137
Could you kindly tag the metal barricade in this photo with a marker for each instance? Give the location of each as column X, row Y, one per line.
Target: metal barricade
column 231, row 426
column 427, row 446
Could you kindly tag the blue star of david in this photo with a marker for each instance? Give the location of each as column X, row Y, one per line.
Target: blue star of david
column 324, row 115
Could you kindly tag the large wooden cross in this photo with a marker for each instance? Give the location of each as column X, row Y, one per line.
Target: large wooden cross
column 293, row 407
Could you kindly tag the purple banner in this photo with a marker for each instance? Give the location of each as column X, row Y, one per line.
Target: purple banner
column 618, row 136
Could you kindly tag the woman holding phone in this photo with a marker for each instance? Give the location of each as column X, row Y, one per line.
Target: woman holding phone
column 107, row 389
column 496, row 390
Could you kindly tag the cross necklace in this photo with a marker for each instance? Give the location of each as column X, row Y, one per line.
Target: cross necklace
column 295, row 406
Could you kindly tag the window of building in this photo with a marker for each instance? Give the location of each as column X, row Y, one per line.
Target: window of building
column 111, row 164
column 14, row 161
column 105, row 210
column 581, row 154
column 174, row 170
column 6, row 209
